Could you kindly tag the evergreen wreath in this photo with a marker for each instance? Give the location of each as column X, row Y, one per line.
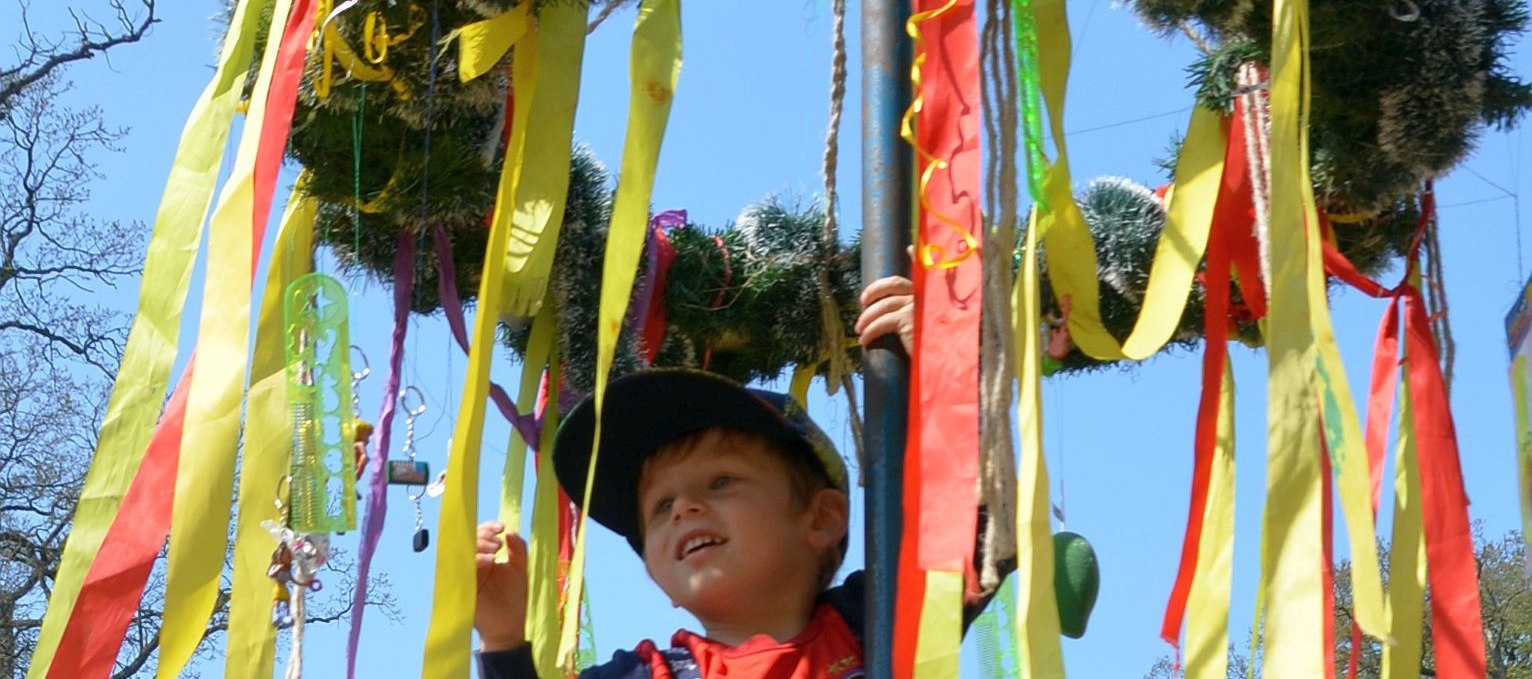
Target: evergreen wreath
column 1402, row 89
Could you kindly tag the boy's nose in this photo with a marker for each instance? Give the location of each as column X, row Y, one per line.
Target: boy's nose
column 684, row 507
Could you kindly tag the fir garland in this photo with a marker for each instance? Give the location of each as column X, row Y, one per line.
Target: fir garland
column 1395, row 101
column 1401, row 92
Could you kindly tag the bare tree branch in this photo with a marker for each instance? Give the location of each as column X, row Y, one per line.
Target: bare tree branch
column 89, row 38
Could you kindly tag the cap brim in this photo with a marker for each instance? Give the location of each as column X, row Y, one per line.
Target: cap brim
column 642, row 412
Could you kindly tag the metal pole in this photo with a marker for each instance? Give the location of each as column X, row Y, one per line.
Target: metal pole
column 887, row 174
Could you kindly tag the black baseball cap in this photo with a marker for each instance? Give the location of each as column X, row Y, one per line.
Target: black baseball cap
column 646, row 410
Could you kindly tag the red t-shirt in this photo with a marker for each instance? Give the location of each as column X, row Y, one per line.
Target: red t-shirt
column 825, row 649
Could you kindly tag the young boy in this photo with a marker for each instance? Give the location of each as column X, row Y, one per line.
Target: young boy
column 737, row 503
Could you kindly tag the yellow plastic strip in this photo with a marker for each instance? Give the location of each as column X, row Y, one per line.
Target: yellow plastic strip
column 450, row 634
column 252, row 638
column 482, row 44
column 1072, row 250
column 1407, row 558
column 655, row 68
column 941, row 626
column 151, row 348
column 542, row 623
column 199, row 520
column 1207, row 606
column 513, row 477
column 537, row 212
column 1037, row 632
column 1292, row 530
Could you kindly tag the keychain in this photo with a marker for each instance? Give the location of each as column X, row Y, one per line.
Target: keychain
column 411, row 472
column 363, row 428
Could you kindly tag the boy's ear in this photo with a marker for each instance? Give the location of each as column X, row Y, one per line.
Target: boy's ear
column 829, row 512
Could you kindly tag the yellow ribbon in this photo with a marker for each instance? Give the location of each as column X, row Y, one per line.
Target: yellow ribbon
column 335, row 50
column 1071, row 250
column 1407, row 556
column 537, row 211
column 482, row 44
column 542, row 622
column 375, row 36
column 941, row 626
column 1519, row 377
column 252, row 638
column 199, row 519
column 514, row 475
column 1037, row 633
column 1292, row 546
column 1207, row 605
column 450, row 633
column 144, row 372
column 655, row 68
column 798, row 388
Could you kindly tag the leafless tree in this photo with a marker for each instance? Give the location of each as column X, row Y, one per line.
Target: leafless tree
column 62, row 334
column 38, row 55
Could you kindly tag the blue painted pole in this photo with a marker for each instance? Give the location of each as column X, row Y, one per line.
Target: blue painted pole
column 887, row 174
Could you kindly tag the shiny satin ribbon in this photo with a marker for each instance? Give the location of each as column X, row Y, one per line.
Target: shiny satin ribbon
column 1442, row 504
column 1203, row 581
column 1291, row 535
column 513, row 475
column 377, row 486
column 932, row 254
column 482, row 44
column 1071, row 250
column 252, row 638
column 655, row 66
column 520, row 417
column 110, row 596
column 942, row 126
column 543, row 568
column 147, row 357
column 450, row 632
column 1037, row 642
column 1407, row 553
column 199, row 523
column 536, row 211
column 1457, row 631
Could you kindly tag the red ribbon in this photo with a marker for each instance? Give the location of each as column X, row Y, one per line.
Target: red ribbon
column 1457, row 630
column 115, row 583
column 1230, row 242
column 942, row 450
column 1456, row 625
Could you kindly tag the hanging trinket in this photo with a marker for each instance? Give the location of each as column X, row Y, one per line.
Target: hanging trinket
column 362, row 428
column 410, row 472
column 322, row 498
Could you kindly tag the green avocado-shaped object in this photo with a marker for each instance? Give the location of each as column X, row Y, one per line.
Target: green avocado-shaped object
column 1076, row 581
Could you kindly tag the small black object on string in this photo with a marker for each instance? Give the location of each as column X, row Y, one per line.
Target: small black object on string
column 410, row 472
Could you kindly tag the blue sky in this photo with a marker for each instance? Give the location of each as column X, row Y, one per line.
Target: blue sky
column 748, row 122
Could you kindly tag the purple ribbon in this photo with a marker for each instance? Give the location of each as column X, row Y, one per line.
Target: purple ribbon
column 526, row 425
column 377, row 487
column 638, row 309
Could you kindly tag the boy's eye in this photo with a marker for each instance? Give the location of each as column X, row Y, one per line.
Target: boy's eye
column 663, row 506
column 721, row 482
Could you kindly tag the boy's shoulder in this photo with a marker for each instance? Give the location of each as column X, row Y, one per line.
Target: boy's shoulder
column 642, row 661
column 833, row 642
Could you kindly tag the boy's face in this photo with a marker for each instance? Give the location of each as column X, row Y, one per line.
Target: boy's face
column 722, row 533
